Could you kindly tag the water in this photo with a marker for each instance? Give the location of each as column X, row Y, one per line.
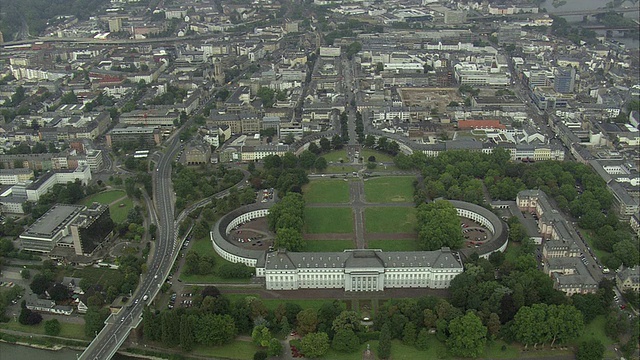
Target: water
column 18, row 352
column 631, row 43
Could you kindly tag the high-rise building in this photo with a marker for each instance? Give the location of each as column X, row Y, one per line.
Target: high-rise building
column 564, row 79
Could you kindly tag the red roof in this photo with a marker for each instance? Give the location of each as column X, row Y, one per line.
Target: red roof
column 480, row 124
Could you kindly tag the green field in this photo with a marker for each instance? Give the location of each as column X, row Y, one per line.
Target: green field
column 106, row 197
column 328, row 220
column 328, row 245
column 205, row 247
column 595, row 330
column 67, row 330
column 335, row 156
column 119, row 210
column 389, row 189
column 389, row 220
column 104, row 276
column 380, row 156
column 236, row 349
column 326, row 191
column 394, row 245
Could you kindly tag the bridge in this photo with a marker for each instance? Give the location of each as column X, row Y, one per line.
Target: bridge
column 595, row 11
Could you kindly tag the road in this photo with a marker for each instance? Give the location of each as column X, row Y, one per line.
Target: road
column 118, row 327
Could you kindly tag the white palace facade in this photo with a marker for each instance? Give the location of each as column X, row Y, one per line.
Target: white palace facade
column 361, row 270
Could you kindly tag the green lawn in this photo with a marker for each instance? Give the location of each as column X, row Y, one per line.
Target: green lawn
column 106, row 197
column 394, row 245
column 237, row 349
column 105, row 277
column 390, row 220
column 389, row 189
column 119, row 210
column 595, row 330
column 205, row 247
column 380, row 156
column 326, row 191
column 67, row 330
column 328, row 245
column 335, row 156
column 328, row 220
column 587, row 234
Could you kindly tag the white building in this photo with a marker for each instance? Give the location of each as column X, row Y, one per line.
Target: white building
column 361, row 270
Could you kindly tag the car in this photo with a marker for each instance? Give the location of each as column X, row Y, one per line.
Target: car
column 622, row 306
column 145, row 297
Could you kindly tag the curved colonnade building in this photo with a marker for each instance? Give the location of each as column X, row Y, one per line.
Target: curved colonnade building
column 357, row 269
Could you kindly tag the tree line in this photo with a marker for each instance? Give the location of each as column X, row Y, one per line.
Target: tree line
column 574, row 187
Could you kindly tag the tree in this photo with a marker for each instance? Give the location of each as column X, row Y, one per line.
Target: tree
column 409, row 334
column 25, row 274
column 307, row 159
column 28, row 317
column 591, row 349
column 438, row 226
column 40, row 283
column 320, row 164
column 290, row 239
column 422, row 341
column 260, row 355
column 274, row 348
column 325, row 144
column 307, row 321
column 261, row 335
column 370, row 141
column 187, row 335
column 69, row 98
column 314, row 345
column 347, row 320
column 52, row 327
column 384, row 344
column 467, row 336
column 627, row 252
column 212, row 330
column 94, row 321
column 345, row 340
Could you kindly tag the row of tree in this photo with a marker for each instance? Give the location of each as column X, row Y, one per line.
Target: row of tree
column 286, row 219
column 438, row 226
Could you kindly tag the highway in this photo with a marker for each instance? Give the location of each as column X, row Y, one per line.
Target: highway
column 118, row 326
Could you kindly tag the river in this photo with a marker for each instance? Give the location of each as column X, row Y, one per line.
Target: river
column 632, row 43
column 18, row 352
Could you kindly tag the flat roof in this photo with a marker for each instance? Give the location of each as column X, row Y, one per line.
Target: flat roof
column 53, row 220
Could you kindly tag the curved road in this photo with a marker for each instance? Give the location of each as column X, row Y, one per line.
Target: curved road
column 118, row 327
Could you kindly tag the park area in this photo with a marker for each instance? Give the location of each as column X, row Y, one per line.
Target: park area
column 389, row 189
column 328, row 220
column 119, row 203
column 390, row 220
column 326, row 191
